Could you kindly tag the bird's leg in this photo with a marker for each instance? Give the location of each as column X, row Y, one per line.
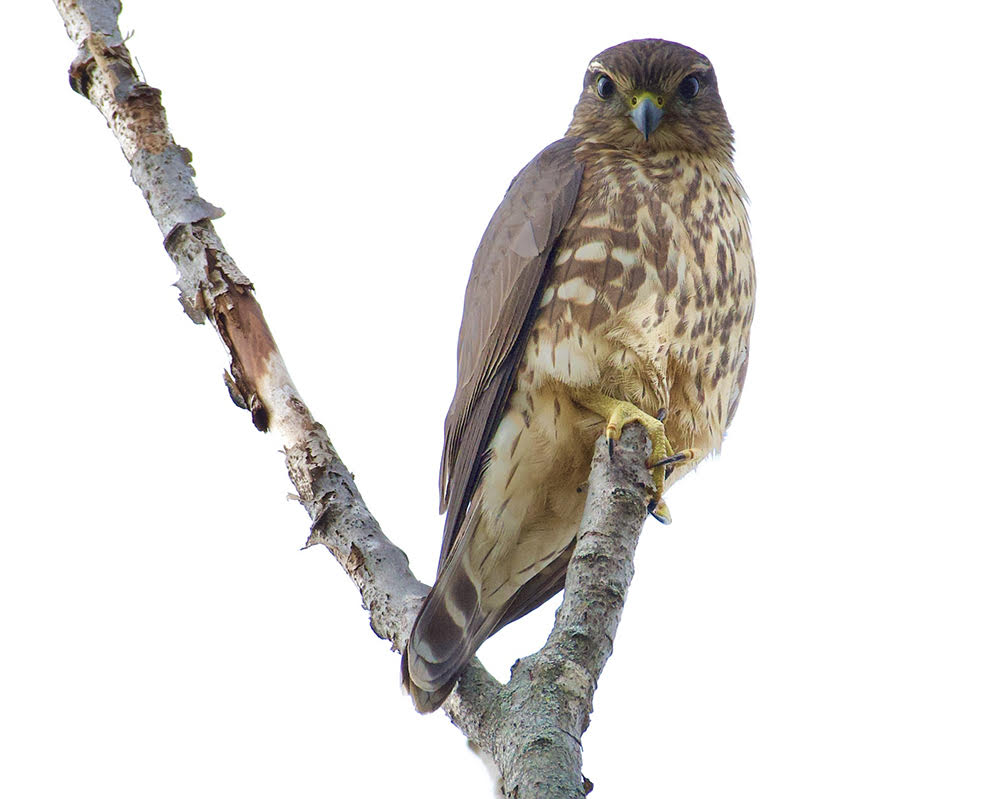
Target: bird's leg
column 663, row 459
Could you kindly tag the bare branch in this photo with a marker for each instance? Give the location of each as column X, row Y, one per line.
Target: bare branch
column 212, row 288
column 547, row 703
column 532, row 726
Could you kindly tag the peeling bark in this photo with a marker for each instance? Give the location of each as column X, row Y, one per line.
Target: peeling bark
column 531, row 727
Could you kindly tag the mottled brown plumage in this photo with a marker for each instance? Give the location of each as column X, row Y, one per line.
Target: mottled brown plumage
column 616, row 270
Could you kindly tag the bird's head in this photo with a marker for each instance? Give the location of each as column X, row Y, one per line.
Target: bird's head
column 650, row 95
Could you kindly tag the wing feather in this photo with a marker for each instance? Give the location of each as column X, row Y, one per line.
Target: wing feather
column 502, row 294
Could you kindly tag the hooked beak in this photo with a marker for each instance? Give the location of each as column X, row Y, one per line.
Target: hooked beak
column 646, row 116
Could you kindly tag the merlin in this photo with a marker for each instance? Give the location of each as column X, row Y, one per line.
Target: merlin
column 614, row 284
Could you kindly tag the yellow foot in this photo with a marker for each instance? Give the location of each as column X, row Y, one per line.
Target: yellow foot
column 662, row 460
column 658, row 509
column 660, row 512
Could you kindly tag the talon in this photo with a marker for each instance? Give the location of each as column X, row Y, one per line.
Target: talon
column 618, row 414
column 679, row 457
column 659, row 512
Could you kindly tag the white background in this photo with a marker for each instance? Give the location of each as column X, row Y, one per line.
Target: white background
column 819, row 621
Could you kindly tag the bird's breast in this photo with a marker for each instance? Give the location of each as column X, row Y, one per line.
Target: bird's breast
column 650, row 292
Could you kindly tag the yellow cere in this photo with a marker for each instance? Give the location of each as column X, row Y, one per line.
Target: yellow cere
column 655, row 98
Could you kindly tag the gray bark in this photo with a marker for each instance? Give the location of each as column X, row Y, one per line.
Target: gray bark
column 530, row 727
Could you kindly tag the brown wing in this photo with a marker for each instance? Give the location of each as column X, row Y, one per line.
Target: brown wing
column 503, row 289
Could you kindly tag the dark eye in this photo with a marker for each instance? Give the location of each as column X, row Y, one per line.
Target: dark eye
column 605, row 86
column 689, row 87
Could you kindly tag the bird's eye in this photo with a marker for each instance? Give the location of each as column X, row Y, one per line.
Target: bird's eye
column 689, row 87
column 605, row 86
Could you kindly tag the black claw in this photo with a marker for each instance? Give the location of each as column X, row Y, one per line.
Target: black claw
column 661, row 415
column 656, row 516
column 610, row 448
column 669, row 461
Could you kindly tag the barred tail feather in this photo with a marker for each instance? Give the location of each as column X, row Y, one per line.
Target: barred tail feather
column 449, row 629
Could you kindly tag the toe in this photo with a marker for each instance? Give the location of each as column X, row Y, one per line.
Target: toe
column 659, row 512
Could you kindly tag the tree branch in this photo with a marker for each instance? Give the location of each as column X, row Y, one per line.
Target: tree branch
column 547, row 703
column 531, row 727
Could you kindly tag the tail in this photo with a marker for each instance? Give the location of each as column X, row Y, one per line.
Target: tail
column 449, row 629
column 443, row 642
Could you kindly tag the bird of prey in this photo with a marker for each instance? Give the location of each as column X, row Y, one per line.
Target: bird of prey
column 614, row 283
